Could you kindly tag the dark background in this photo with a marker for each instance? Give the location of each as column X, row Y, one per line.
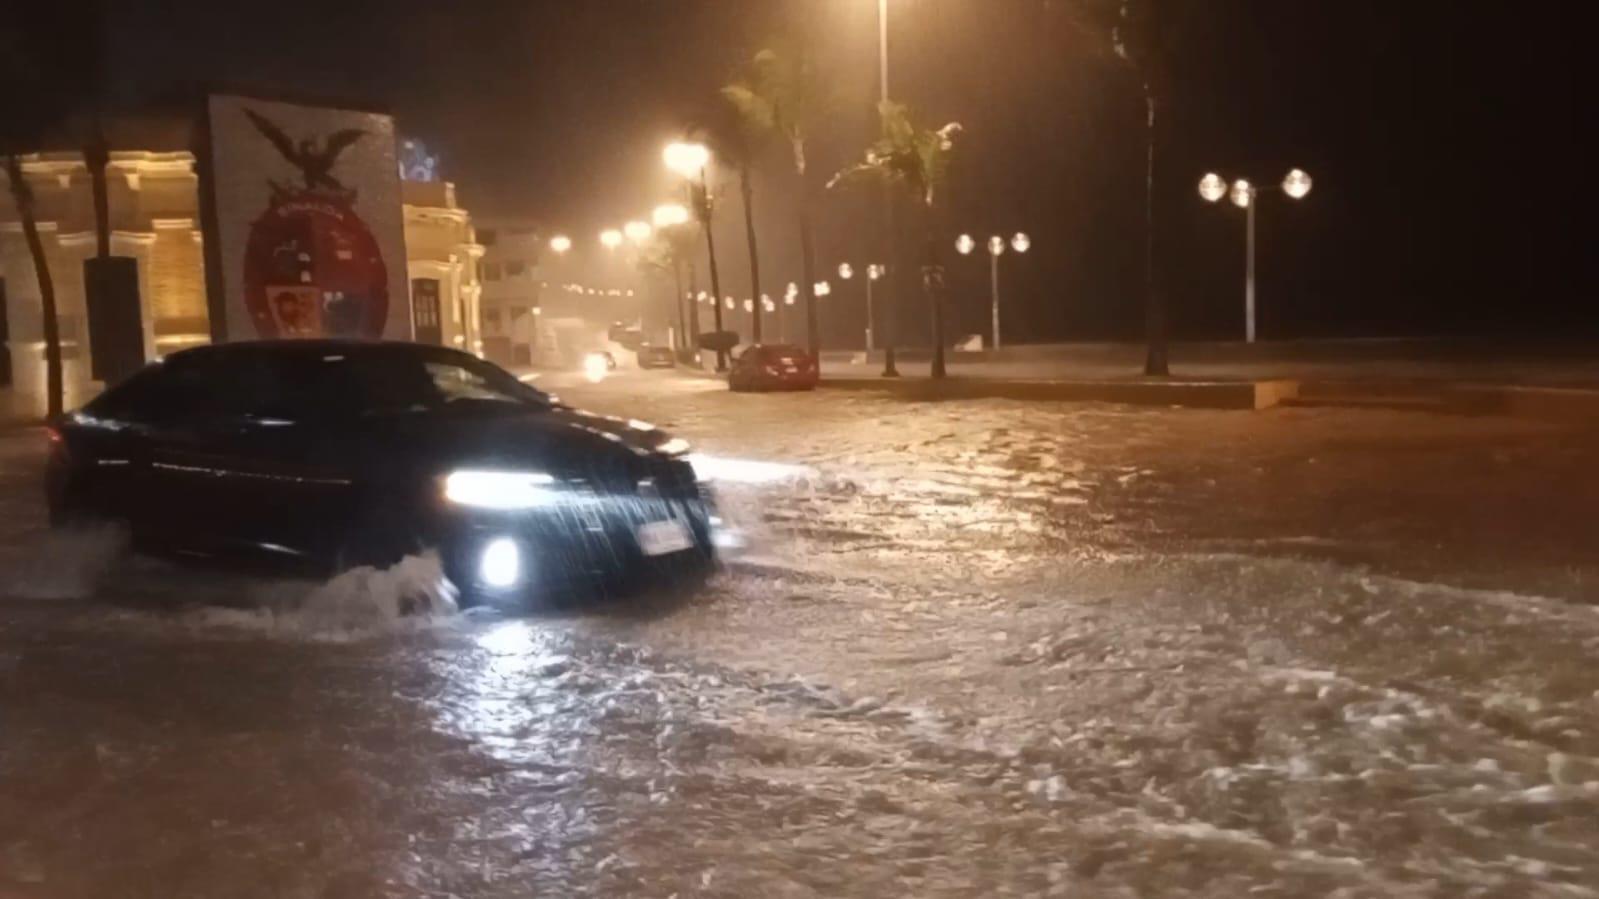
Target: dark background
column 1442, row 136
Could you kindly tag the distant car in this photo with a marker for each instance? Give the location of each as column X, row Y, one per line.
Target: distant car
column 337, row 454
column 773, row 367
column 650, row 356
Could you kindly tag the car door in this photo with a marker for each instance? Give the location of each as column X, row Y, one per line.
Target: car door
column 172, row 432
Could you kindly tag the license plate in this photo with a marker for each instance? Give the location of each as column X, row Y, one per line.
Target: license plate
column 657, row 538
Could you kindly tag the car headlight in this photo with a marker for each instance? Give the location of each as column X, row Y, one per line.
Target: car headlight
column 499, row 489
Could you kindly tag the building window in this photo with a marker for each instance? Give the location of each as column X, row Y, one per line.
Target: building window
column 491, row 320
column 491, row 271
column 515, row 269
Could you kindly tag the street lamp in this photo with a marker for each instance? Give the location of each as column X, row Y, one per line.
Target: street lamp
column 686, row 159
column 1296, row 185
column 637, row 231
column 690, row 161
column 669, row 215
column 822, row 289
column 1019, row 242
column 845, row 272
column 611, row 238
column 560, row 243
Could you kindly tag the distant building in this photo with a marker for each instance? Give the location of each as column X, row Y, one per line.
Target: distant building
column 154, row 206
column 513, row 291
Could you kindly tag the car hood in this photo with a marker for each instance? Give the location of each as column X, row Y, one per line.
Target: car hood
column 566, row 443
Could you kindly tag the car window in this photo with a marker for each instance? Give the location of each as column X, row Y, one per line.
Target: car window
column 164, row 395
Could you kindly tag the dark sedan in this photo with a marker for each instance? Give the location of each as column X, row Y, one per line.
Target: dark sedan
column 773, row 367
column 340, row 454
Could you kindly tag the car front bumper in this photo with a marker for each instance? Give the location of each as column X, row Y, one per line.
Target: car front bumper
column 579, row 548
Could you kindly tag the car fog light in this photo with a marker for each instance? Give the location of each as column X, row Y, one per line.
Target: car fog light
column 500, row 565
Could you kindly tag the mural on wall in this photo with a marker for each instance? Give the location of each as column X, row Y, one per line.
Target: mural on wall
column 309, row 220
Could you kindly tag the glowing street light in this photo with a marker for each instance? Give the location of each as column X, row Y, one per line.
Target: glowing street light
column 845, row 271
column 670, row 215
column 686, row 159
column 1020, row 242
column 611, row 238
column 822, row 289
column 1296, row 185
column 637, row 231
column 964, row 244
column 1243, row 193
column 560, row 243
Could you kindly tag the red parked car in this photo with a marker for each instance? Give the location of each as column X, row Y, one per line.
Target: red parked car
column 778, row 366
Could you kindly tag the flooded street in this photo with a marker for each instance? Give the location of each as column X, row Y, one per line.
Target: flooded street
column 978, row 648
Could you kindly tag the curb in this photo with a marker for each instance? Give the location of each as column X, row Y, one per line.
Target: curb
column 1192, row 394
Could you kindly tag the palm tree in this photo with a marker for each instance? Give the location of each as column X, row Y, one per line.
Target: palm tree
column 785, row 96
column 917, row 158
column 738, row 140
column 22, row 198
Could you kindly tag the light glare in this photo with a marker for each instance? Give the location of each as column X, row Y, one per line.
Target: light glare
column 501, row 563
column 1297, row 184
column 1212, row 188
column 499, row 489
column 1243, row 193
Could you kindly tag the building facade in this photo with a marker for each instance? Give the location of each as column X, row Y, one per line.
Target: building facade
column 154, row 202
column 513, row 291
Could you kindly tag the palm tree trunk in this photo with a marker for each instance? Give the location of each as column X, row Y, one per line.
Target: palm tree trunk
column 716, row 278
column 933, row 286
column 813, row 326
column 693, row 336
column 1156, row 358
column 677, row 299
column 748, row 190
column 813, row 335
column 22, row 198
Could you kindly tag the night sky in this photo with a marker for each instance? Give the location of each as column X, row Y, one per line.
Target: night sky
column 1442, row 136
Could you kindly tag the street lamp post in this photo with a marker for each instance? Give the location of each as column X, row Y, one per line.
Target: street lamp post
column 889, row 370
column 690, row 160
column 1019, row 242
column 1296, row 184
column 873, row 273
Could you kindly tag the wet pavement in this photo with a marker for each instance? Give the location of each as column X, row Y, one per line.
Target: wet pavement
column 971, row 649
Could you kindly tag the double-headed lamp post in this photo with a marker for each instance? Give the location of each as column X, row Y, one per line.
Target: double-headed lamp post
column 1296, row 184
column 996, row 248
column 874, row 272
column 560, row 243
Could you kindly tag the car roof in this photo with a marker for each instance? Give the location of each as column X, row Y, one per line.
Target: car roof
column 310, row 346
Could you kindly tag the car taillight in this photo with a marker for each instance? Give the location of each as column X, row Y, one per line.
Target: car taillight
column 57, row 442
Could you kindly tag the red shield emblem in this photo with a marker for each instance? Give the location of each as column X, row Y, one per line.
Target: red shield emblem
column 313, row 269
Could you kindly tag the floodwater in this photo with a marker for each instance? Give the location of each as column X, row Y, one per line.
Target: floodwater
column 968, row 649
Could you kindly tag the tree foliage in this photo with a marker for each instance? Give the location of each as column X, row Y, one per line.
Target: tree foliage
column 908, row 154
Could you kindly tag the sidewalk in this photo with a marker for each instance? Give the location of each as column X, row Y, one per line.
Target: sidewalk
column 1549, row 380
